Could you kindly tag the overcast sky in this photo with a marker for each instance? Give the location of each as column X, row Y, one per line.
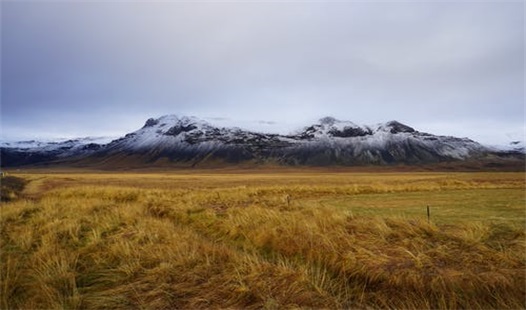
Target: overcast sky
column 96, row 68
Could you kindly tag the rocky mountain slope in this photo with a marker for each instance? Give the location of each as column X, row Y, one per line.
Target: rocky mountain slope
column 192, row 141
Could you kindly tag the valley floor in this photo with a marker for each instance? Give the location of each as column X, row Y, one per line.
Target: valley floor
column 264, row 239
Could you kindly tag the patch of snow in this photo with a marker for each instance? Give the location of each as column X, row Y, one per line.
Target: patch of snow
column 50, row 145
column 513, row 146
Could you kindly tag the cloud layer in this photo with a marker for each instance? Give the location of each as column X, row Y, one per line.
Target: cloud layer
column 94, row 68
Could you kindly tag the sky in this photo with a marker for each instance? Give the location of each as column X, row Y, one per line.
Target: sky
column 95, row 68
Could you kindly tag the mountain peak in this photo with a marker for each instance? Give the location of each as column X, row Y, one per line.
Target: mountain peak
column 175, row 120
column 331, row 127
column 151, row 122
column 396, row 127
column 328, row 120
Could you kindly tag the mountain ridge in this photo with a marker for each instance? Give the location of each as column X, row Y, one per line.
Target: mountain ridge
column 192, row 141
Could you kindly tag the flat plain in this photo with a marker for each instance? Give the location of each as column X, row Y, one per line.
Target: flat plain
column 277, row 238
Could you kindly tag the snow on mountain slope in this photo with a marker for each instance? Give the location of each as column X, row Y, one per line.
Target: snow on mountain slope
column 32, row 151
column 167, row 130
column 514, row 146
column 330, row 141
column 173, row 132
column 61, row 145
column 329, row 127
column 386, row 142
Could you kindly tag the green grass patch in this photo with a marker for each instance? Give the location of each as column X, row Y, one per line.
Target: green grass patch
column 446, row 207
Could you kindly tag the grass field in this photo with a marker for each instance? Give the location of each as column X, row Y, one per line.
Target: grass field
column 264, row 239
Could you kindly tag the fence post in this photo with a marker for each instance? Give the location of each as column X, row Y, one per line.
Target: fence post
column 428, row 215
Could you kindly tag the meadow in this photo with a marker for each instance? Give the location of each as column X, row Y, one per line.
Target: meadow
column 281, row 238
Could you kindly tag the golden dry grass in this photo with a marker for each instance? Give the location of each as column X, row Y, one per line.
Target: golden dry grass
column 85, row 240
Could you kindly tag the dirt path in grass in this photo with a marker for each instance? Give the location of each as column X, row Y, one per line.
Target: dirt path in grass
column 35, row 187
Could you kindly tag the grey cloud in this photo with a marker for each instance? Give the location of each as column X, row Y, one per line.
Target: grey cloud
column 87, row 64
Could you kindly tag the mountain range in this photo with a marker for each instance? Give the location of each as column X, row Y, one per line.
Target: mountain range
column 190, row 141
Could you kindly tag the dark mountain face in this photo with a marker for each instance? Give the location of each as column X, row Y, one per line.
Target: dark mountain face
column 192, row 141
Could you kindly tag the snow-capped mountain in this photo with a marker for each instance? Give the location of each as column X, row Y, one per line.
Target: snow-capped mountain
column 32, row 151
column 392, row 142
column 55, row 145
column 192, row 141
